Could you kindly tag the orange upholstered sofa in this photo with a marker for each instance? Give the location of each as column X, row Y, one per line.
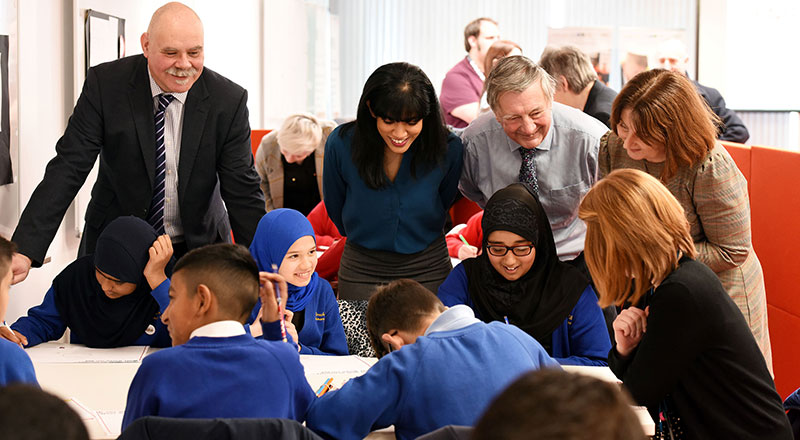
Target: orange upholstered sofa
column 773, row 177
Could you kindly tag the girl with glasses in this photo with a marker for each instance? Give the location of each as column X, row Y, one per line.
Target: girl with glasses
column 519, row 279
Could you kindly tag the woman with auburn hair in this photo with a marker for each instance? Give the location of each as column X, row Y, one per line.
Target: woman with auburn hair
column 497, row 51
column 661, row 125
column 682, row 347
column 390, row 178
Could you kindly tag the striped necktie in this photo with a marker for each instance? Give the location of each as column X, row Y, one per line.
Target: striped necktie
column 156, row 217
column 527, row 171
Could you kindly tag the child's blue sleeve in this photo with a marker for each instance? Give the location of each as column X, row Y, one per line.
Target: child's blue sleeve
column 271, row 331
column 161, row 295
column 587, row 334
column 455, row 288
column 43, row 322
column 371, row 401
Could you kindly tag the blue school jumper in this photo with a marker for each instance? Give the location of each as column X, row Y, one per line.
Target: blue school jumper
column 446, row 377
column 207, row 377
column 15, row 365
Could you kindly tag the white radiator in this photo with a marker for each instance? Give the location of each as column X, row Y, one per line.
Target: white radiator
column 773, row 129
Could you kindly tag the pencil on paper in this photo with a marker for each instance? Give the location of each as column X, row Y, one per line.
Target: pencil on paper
column 325, row 387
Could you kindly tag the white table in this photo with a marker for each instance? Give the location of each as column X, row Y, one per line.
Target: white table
column 605, row 374
column 102, row 383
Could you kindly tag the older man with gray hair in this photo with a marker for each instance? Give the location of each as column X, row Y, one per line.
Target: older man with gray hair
column 528, row 138
column 577, row 84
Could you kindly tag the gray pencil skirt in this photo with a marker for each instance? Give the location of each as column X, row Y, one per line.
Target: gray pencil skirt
column 362, row 270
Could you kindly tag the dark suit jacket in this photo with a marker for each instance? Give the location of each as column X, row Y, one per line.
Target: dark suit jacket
column 598, row 103
column 733, row 128
column 113, row 118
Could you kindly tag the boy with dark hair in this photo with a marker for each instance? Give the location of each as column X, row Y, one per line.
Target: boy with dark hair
column 15, row 365
column 213, row 362
column 437, row 367
column 27, row 412
column 556, row 405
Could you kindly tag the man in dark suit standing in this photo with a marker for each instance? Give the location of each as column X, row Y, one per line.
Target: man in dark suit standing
column 577, row 84
column 173, row 140
column 672, row 55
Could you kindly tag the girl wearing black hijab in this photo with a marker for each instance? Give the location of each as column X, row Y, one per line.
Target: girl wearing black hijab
column 112, row 298
column 519, row 279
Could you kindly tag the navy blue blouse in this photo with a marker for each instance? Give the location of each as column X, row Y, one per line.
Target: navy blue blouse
column 404, row 217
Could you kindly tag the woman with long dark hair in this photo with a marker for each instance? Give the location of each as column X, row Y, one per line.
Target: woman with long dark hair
column 390, row 177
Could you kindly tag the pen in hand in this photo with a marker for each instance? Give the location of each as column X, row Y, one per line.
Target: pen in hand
column 10, row 330
column 278, row 298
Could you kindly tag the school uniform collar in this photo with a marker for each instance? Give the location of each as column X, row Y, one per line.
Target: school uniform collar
column 454, row 318
column 219, row 329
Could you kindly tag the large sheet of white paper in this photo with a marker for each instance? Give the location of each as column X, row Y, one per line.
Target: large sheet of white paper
column 602, row 373
column 57, row 353
column 335, row 365
column 111, row 421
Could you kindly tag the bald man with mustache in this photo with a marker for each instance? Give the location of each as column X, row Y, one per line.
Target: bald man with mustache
column 173, row 139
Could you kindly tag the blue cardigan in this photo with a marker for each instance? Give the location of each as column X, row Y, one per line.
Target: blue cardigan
column 322, row 331
column 404, row 217
column 582, row 339
column 15, row 365
column 43, row 323
column 445, row 378
column 236, row 376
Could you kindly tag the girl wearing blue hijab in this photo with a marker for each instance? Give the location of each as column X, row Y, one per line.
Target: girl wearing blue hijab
column 111, row 298
column 285, row 238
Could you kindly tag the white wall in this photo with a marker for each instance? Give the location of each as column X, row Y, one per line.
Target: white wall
column 45, row 102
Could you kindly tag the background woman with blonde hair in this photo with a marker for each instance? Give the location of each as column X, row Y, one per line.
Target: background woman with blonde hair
column 289, row 161
column 663, row 127
column 682, row 347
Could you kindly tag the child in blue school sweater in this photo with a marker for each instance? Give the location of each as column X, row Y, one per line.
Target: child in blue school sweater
column 15, row 365
column 437, row 367
column 285, row 239
column 214, row 365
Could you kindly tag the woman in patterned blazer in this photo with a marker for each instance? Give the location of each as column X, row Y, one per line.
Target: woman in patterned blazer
column 661, row 126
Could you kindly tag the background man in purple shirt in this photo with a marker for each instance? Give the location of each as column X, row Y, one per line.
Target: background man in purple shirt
column 463, row 85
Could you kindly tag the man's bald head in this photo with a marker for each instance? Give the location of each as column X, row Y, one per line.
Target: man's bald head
column 173, row 45
column 170, row 12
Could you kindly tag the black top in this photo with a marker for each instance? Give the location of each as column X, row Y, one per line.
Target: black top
column 598, row 103
column 300, row 188
column 732, row 129
column 97, row 320
column 699, row 350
